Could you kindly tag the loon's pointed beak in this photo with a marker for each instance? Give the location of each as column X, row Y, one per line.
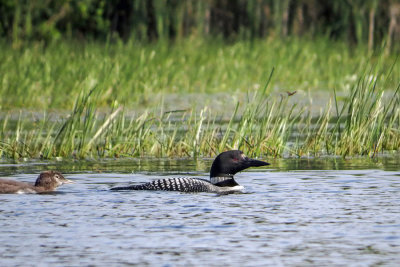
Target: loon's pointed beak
column 249, row 162
column 66, row 181
column 256, row 163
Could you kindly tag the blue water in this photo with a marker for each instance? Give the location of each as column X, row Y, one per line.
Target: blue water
column 290, row 215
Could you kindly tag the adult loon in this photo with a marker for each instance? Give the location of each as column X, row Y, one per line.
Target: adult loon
column 46, row 182
column 224, row 167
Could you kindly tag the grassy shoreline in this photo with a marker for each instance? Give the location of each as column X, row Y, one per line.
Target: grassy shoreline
column 105, row 84
column 52, row 77
column 364, row 125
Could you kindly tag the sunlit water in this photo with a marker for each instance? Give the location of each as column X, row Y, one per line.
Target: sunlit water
column 292, row 214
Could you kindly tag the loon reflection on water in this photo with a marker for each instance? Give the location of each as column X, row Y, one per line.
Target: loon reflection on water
column 224, row 167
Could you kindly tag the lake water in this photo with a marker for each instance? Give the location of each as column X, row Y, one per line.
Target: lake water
column 316, row 212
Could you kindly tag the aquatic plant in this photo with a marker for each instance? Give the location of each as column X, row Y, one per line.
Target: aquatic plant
column 119, row 107
column 138, row 76
column 365, row 124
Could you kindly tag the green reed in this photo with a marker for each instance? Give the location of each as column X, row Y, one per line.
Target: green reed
column 365, row 124
column 265, row 130
column 134, row 74
column 362, row 117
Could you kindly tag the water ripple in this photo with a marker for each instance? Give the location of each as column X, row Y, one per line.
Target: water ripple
column 322, row 217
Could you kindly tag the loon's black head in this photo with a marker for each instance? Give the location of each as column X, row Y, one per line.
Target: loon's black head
column 230, row 162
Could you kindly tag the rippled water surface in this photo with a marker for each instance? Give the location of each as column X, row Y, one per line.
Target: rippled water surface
column 294, row 213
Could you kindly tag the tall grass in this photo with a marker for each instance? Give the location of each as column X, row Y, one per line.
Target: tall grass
column 367, row 124
column 136, row 75
column 118, row 100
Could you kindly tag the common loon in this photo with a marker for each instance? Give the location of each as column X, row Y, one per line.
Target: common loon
column 224, row 167
column 46, row 182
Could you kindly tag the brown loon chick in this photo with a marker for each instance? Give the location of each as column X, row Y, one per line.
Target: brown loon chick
column 46, row 182
column 224, row 167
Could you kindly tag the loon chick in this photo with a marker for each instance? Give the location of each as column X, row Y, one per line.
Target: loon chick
column 221, row 180
column 47, row 181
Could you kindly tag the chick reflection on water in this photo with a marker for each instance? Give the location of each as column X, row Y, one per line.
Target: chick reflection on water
column 47, row 181
column 224, row 167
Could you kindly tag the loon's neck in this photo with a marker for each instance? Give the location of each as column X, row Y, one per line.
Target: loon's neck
column 223, row 181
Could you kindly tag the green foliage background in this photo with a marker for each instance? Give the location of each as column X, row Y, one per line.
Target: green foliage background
column 48, row 20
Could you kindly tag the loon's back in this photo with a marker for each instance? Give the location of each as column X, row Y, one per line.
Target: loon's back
column 182, row 184
column 223, row 168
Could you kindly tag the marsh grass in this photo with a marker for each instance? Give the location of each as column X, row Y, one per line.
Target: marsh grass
column 53, row 76
column 370, row 125
column 366, row 123
column 116, row 80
